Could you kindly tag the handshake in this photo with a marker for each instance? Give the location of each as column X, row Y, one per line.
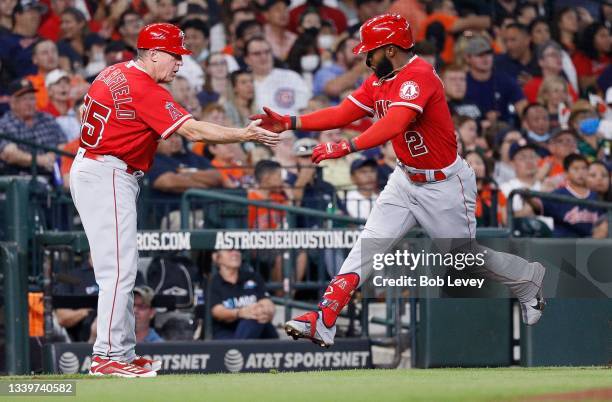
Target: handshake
column 272, row 121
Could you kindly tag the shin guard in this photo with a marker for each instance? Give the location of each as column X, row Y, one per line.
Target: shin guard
column 336, row 296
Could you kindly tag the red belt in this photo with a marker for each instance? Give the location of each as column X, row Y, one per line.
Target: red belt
column 90, row 155
column 422, row 177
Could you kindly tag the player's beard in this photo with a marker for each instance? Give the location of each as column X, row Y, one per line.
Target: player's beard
column 383, row 68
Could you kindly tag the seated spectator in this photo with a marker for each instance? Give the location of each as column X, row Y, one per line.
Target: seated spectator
column 269, row 188
column 593, row 55
column 276, row 13
column 241, row 307
column 229, row 161
column 526, row 13
column 347, row 71
column 442, row 23
column 245, row 31
column 283, row 153
column 241, row 104
column 426, row 49
column 367, row 9
column 551, row 172
column 46, row 59
column 331, row 14
column 573, row 220
column 74, row 36
column 78, row 282
column 583, row 119
column 525, row 159
column 536, row 126
column 467, row 128
column 129, row 26
column 144, row 314
column 337, row 171
column 24, row 122
column 197, row 39
column 549, row 56
column 565, row 27
column 176, row 169
column 216, row 80
column 599, row 181
column 454, row 78
column 504, row 170
column 554, row 95
column 487, row 188
column 386, row 165
column 539, row 31
column 282, row 90
column 57, row 83
column 497, row 95
column 360, row 201
column 305, row 57
column 518, row 62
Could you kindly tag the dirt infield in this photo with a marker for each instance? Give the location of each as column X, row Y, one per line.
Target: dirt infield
column 600, row 394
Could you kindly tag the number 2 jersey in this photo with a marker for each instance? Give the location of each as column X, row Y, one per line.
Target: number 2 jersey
column 429, row 142
column 127, row 113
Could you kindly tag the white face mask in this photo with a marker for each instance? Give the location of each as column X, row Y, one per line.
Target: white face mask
column 309, row 62
column 326, row 41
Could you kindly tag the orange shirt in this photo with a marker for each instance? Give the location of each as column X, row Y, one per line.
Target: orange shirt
column 556, row 168
column 66, row 162
column 36, row 314
column 448, row 52
column 264, row 218
column 484, row 198
column 233, row 174
column 412, row 10
column 38, row 82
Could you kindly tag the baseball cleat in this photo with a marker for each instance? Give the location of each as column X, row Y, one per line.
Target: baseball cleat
column 107, row 367
column 310, row 326
column 531, row 311
column 149, row 364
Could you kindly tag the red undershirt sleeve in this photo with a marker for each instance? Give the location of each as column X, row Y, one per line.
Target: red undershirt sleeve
column 395, row 122
column 332, row 117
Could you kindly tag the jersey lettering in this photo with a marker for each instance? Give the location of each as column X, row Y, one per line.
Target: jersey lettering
column 94, row 120
column 416, row 146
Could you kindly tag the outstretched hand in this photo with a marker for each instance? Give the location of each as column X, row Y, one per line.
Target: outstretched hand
column 270, row 120
column 330, row 150
column 254, row 132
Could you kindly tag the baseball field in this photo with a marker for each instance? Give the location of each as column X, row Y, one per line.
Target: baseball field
column 503, row 384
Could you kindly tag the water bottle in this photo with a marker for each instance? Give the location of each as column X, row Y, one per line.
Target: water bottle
column 331, row 209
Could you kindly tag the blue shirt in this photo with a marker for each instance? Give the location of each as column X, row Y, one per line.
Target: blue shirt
column 513, row 68
column 153, row 336
column 571, row 220
column 498, row 93
column 317, row 195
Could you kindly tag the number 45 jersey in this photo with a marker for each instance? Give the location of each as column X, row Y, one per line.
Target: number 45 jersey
column 126, row 113
column 429, row 142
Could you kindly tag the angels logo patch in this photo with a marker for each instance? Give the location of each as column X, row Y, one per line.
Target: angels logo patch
column 409, row 90
column 174, row 112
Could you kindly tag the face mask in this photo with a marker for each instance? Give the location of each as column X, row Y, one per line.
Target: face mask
column 326, row 41
column 312, row 31
column 538, row 137
column 309, row 62
column 589, row 126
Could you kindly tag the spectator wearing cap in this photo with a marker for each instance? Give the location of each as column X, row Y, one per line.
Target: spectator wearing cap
column 504, row 170
column 276, row 13
column 46, row 58
column 144, row 313
column 525, row 160
column 17, row 46
column 360, row 201
column 593, row 55
column 549, row 56
column 454, row 78
column 536, row 126
column 561, row 144
column 57, row 83
column 584, row 120
column 241, row 103
column 331, row 14
column 518, row 61
column 573, row 220
column 241, row 305
column 25, row 123
column 442, row 23
column 497, row 95
column 346, row 72
column 282, row 90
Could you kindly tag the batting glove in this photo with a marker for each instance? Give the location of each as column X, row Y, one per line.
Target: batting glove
column 331, row 150
column 275, row 122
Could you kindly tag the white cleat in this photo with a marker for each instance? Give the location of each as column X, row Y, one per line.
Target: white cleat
column 310, row 326
column 531, row 311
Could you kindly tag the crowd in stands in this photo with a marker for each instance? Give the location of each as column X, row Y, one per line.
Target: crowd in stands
column 528, row 83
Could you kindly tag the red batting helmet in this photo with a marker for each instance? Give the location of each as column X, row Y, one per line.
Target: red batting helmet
column 162, row 36
column 386, row 29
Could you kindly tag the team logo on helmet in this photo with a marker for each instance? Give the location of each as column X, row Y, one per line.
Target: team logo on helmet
column 409, row 90
column 174, row 112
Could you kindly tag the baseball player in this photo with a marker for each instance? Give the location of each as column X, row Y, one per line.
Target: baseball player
column 125, row 114
column 431, row 185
